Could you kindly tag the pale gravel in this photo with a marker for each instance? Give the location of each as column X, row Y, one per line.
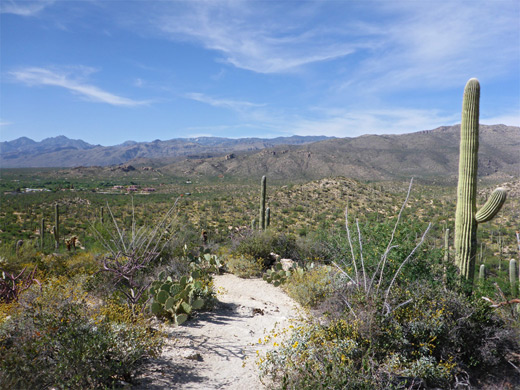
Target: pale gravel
column 218, row 349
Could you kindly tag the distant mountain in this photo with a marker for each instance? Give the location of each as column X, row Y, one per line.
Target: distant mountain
column 64, row 152
column 23, row 148
column 429, row 154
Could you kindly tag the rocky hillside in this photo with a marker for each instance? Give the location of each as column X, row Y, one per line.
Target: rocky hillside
column 431, row 155
column 428, row 154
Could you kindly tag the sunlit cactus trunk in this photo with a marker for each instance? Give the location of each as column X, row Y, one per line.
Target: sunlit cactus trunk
column 465, row 222
column 466, row 217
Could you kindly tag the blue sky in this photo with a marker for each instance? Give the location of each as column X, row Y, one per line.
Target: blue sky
column 108, row 71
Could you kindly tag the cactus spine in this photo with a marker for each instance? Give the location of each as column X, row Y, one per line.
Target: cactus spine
column 513, row 277
column 262, row 203
column 57, row 225
column 466, row 217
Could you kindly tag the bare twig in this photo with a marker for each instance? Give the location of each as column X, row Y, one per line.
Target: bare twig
column 389, row 246
column 351, row 246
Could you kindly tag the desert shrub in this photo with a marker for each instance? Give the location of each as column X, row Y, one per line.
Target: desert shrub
column 260, row 245
column 431, row 337
column 186, row 237
column 319, row 357
column 244, row 266
column 313, row 248
column 393, row 323
column 311, row 286
column 60, row 339
column 13, row 259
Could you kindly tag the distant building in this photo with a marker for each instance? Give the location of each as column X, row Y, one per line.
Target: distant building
column 37, row 190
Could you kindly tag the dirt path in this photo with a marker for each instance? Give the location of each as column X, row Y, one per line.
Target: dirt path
column 217, row 349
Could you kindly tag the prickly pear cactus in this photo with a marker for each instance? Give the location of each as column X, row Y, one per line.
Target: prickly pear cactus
column 276, row 275
column 466, row 217
column 176, row 299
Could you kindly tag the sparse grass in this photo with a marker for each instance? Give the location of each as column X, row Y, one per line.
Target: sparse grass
column 245, row 266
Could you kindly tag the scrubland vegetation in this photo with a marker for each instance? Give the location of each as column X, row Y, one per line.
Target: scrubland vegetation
column 387, row 310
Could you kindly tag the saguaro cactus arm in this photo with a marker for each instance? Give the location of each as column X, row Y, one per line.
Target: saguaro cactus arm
column 492, row 206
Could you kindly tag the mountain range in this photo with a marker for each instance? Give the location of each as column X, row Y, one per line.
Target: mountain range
column 427, row 154
column 64, row 152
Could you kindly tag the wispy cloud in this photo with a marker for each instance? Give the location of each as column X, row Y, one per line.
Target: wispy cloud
column 25, row 7
column 261, row 39
column 4, row 123
column 511, row 119
column 64, row 79
column 378, row 45
column 343, row 123
column 442, row 46
column 235, row 105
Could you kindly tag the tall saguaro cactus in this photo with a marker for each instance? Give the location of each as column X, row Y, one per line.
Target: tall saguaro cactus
column 467, row 218
column 262, row 203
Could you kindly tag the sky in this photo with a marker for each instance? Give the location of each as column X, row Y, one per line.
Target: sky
column 109, row 71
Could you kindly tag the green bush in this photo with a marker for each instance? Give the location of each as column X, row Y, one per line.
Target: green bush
column 58, row 339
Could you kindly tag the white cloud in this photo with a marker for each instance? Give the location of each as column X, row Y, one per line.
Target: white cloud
column 235, row 105
column 24, row 8
column 41, row 76
column 512, row 119
column 380, row 46
column 440, row 46
column 257, row 38
column 343, row 123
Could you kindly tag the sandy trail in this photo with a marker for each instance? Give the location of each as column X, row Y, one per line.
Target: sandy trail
column 217, row 349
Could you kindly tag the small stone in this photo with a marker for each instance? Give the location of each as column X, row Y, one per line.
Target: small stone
column 192, row 355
